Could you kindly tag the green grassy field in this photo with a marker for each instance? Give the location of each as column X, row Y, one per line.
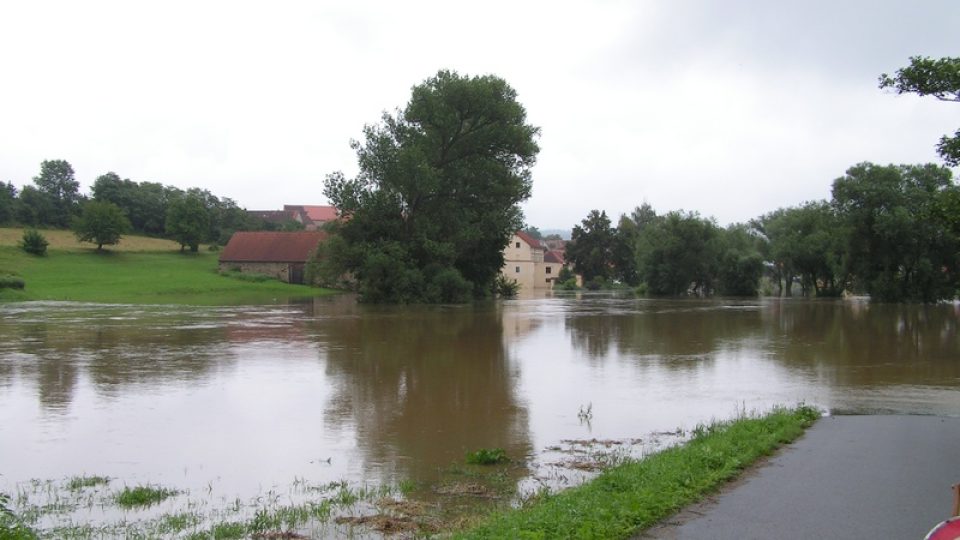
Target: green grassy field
column 138, row 271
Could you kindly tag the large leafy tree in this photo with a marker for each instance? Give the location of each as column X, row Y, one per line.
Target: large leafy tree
column 678, row 253
column 808, row 242
column 436, row 198
column 592, row 247
column 8, row 202
column 188, row 221
column 939, row 78
column 902, row 245
column 33, row 207
column 101, row 223
column 56, row 182
column 739, row 262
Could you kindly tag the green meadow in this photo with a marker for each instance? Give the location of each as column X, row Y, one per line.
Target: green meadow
column 137, row 271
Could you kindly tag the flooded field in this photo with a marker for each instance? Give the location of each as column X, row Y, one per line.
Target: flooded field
column 239, row 409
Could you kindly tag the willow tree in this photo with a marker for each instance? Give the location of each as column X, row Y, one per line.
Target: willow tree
column 437, row 195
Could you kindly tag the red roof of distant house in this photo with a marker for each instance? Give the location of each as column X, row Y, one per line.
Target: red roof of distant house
column 553, row 256
column 321, row 214
column 290, row 247
column 534, row 243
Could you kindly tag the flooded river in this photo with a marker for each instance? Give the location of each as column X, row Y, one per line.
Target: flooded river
column 238, row 401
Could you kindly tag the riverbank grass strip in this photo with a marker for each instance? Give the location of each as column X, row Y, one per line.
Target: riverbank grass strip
column 636, row 495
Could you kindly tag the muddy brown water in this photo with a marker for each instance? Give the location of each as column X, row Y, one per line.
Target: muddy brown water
column 239, row 400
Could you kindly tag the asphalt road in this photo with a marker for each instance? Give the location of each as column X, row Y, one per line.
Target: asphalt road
column 848, row 477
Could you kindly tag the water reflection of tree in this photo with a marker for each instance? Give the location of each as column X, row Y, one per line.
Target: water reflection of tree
column 423, row 385
column 861, row 344
column 666, row 329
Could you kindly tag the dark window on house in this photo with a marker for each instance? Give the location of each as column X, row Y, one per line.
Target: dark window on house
column 549, row 269
column 518, row 269
column 518, row 245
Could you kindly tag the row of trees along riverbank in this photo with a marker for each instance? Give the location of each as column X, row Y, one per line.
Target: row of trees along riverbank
column 891, row 231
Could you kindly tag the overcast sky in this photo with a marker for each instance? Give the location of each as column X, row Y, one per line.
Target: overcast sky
column 728, row 108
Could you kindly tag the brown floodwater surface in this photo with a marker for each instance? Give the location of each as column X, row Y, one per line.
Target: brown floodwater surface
column 238, row 400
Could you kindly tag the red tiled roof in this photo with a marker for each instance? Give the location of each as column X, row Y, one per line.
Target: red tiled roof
column 261, row 246
column 534, row 243
column 553, row 256
column 321, row 214
column 272, row 216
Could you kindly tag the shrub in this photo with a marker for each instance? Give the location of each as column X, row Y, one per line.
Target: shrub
column 12, row 282
column 505, row 287
column 569, row 285
column 33, row 242
column 594, row 284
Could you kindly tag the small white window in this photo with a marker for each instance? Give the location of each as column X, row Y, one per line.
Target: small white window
column 518, row 270
column 518, row 245
column 549, row 269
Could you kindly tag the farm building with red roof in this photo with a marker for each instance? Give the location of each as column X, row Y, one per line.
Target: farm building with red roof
column 282, row 255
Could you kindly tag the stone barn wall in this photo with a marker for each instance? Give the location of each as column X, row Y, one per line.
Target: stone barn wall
column 277, row 270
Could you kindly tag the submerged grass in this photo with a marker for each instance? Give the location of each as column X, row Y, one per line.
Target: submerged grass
column 637, row 494
column 143, row 496
column 487, row 456
column 82, row 482
column 622, row 500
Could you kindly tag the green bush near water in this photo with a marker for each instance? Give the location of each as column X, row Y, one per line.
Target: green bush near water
column 633, row 496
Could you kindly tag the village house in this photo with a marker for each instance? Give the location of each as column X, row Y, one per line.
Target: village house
column 312, row 217
column 530, row 263
column 282, row 255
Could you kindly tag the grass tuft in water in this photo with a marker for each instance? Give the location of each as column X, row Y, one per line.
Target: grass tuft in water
column 143, row 496
column 487, row 456
column 77, row 483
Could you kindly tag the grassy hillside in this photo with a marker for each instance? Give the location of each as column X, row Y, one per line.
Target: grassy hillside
column 65, row 240
column 138, row 271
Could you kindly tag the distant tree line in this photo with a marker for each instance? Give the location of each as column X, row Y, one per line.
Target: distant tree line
column 190, row 217
column 892, row 232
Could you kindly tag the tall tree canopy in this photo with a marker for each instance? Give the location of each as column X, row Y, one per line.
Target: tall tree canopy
column 101, row 223
column 592, row 247
column 56, row 183
column 939, row 78
column 188, row 220
column 902, row 245
column 677, row 253
column 436, row 198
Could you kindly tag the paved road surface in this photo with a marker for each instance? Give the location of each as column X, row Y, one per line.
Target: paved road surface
column 848, row 477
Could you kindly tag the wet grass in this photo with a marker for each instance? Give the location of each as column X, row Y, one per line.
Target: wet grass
column 136, row 277
column 143, row 496
column 635, row 495
column 472, row 501
column 487, row 456
column 81, row 482
column 78, row 508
